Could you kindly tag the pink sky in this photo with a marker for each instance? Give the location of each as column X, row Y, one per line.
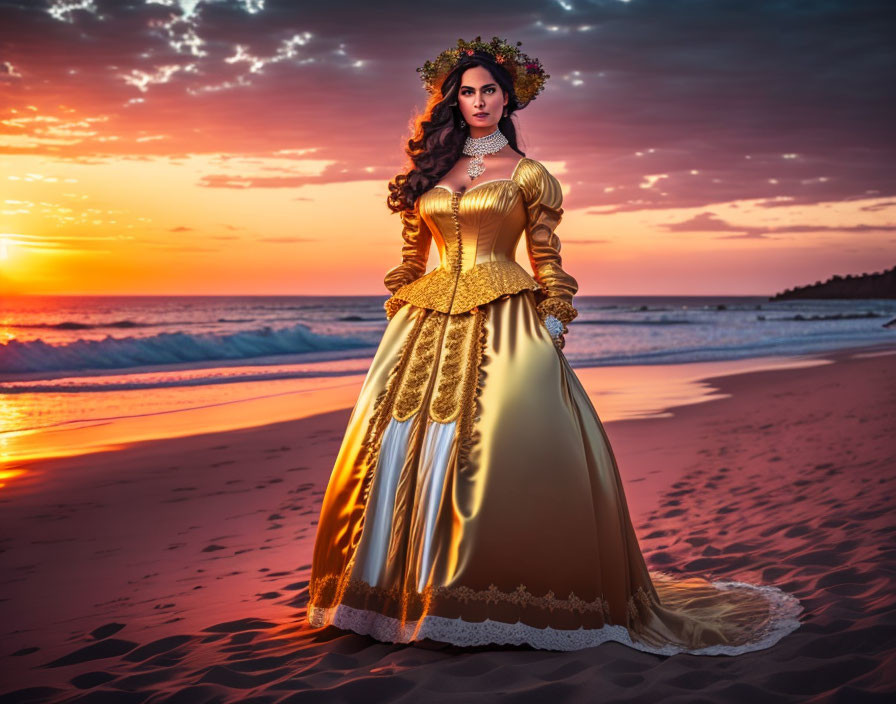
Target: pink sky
column 201, row 147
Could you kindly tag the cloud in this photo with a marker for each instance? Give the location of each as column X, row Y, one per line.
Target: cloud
column 333, row 173
column 8, row 72
column 185, row 248
column 571, row 240
column 709, row 222
column 651, row 105
column 287, row 240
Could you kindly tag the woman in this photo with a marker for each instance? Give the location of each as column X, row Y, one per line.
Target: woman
column 476, row 498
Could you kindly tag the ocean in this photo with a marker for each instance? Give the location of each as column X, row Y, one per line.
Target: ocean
column 46, row 337
column 70, row 360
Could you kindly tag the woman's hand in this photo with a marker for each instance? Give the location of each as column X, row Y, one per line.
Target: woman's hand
column 557, row 329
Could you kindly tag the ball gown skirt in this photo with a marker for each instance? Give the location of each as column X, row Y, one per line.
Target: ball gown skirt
column 476, row 500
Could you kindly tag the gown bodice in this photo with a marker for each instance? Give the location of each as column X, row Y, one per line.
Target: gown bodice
column 482, row 224
column 476, row 233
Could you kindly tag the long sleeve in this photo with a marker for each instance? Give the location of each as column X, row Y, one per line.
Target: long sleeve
column 544, row 197
column 414, row 255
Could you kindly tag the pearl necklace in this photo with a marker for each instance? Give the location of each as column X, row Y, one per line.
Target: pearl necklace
column 477, row 147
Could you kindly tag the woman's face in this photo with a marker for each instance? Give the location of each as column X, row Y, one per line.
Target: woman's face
column 481, row 101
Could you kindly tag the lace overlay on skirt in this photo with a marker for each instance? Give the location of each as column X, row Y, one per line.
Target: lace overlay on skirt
column 476, row 500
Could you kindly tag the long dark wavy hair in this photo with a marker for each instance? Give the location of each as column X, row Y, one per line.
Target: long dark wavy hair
column 438, row 139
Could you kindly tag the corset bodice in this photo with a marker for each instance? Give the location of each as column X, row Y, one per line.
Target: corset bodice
column 483, row 224
column 476, row 233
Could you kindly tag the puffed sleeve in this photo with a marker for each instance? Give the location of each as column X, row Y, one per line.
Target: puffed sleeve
column 414, row 255
column 544, row 198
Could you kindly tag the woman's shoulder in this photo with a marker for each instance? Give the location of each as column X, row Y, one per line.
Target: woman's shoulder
column 533, row 170
column 536, row 180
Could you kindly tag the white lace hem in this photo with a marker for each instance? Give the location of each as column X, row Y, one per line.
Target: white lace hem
column 784, row 609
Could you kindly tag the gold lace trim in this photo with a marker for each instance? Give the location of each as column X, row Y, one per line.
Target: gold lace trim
column 560, row 308
column 637, row 607
column 639, row 597
column 457, row 376
column 520, row 596
column 451, row 291
column 417, row 370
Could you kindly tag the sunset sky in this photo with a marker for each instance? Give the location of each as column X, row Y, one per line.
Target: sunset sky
column 244, row 146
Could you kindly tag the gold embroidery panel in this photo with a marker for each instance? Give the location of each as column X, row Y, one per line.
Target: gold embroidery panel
column 458, row 368
column 452, row 359
column 418, row 364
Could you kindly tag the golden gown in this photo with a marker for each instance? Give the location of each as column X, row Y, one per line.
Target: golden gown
column 475, row 498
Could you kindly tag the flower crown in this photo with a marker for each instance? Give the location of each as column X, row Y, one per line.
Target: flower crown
column 527, row 73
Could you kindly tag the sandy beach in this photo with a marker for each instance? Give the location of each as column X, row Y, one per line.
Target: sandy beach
column 176, row 570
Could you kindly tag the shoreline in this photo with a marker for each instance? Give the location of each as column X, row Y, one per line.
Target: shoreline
column 624, row 391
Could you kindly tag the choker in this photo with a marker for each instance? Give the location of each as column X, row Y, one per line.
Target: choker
column 477, row 147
